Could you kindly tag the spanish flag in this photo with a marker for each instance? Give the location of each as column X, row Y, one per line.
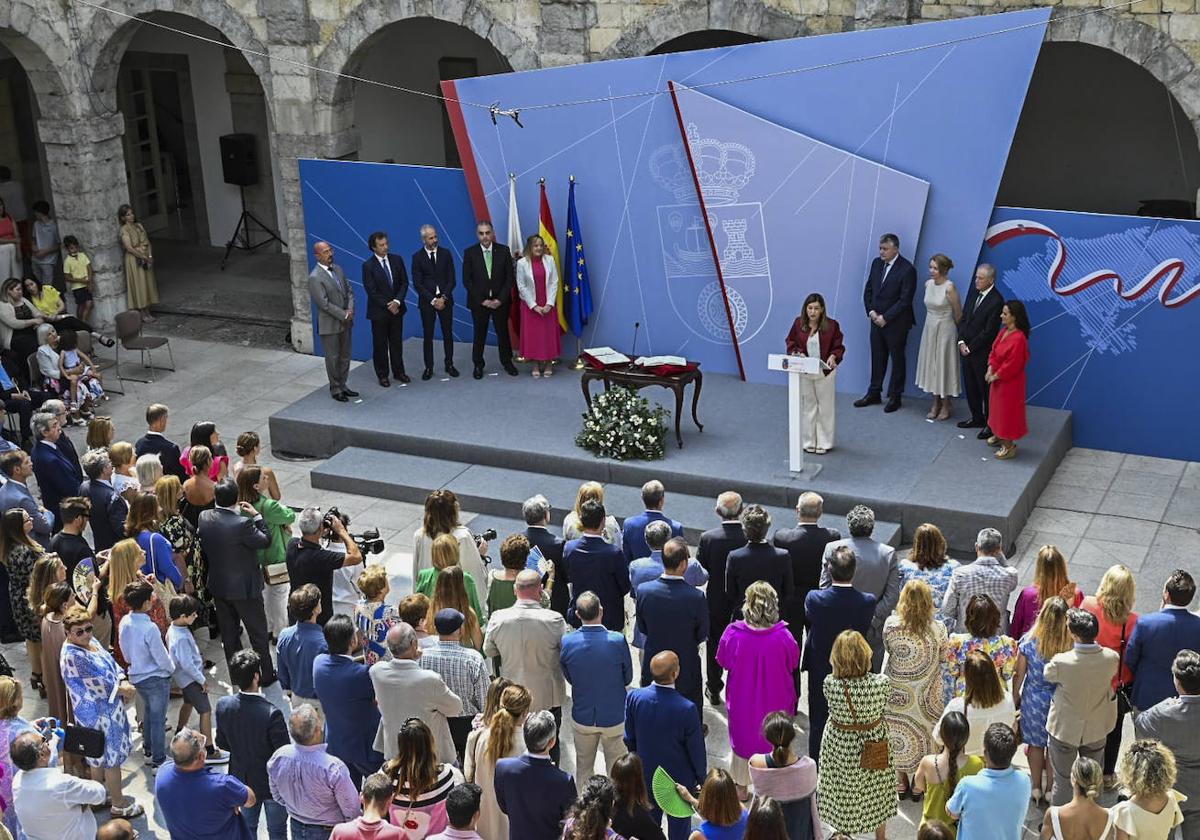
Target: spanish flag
column 546, row 231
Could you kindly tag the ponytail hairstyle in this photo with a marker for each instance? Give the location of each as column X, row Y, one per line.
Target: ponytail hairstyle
column 491, row 700
column 592, row 811
column 954, row 732
column 502, row 728
column 778, row 730
column 58, row 597
column 1087, row 777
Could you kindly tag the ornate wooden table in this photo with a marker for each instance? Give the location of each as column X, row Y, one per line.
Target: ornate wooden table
column 636, row 378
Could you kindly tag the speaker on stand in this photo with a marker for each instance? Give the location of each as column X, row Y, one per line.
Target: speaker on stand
column 239, row 166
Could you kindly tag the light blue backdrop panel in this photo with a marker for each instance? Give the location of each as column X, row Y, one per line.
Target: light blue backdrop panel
column 345, row 201
column 768, row 191
column 941, row 106
column 1123, row 363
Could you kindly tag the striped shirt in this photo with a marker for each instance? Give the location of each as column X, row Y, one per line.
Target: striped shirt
column 986, row 576
column 463, row 669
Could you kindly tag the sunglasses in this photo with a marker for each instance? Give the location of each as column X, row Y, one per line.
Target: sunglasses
column 83, row 630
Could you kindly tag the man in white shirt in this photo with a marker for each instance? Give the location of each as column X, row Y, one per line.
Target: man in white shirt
column 51, row 805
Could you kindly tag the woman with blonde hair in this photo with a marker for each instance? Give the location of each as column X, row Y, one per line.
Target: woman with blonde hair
column 851, row 798
column 19, row 552
column 1147, row 772
column 537, row 285
column 100, row 432
column 1113, row 607
column 124, row 479
column 450, row 591
column 573, row 529
column 1050, row 578
column 184, row 540
column 1081, row 818
column 937, row 362
column 11, row 725
column 373, row 616
column 984, row 700
column 1032, row 693
column 915, row 642
column 442, row 514
column 125, row 564
column 446, row 552
column 929, row 562
column 500, row 737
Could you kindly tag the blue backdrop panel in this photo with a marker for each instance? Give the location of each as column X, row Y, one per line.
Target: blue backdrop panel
column 1117, row 356
column 345, row 201
column 767, row 188
column 941, row 106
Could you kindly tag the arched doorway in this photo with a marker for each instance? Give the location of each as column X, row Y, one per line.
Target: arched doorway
column 24, row 177
column 705, row 39
column 1099, row 133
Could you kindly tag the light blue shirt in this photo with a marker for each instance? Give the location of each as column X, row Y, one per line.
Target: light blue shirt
column 143, row 648
column 189, row 664
column 646, row 569
column 991, row 805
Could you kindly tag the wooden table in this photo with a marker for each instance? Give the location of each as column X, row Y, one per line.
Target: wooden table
column 632, row 376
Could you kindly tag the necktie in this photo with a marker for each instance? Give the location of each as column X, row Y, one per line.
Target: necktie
column 886, row 268
column 487, row 261
column 387, row 266
column 433, row 257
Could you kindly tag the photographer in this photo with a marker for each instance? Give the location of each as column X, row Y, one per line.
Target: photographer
column 308, row 562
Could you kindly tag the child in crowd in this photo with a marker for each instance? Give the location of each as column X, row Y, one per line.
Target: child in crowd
column 77, row 367
column 372, row 615
column 992, row 803
column 46, row 246
column 376, row 797
column 414, row 609
column 189, row 671
column 77, row 268
column 150, row 667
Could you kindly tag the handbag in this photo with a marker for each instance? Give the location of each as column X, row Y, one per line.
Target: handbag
column 83, row 740
column 164, row 589
column 876, row 755
column 1123, row 689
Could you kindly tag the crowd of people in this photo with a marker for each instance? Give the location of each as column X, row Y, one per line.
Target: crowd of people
column 438, row 714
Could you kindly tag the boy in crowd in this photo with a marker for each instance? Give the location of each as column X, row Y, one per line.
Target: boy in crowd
column 991, row 805
column 462, row 811
column 77, row 268
column 189, row 672
column 376, row 796
column 150, row 667
column 46, row 246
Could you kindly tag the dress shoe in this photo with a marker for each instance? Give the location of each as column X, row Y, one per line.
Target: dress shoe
column 384, row 382
column 427, row 374
column 869, row 399
column 403, row 378
column 478, row 372
column 714, row 697
column 970, row 423
column 350, row 393
column 984, row 433
column 452, row 370
column 341, row 398
column 511, row 369
column 893, row 404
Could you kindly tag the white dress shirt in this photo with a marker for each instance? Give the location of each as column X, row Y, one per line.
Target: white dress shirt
column 52, row 805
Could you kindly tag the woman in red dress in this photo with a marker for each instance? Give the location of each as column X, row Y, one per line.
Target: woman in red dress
column 537, row 285
column 1006, row 373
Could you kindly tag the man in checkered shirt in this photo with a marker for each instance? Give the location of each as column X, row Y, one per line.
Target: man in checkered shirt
column 988, row 575
column 463, row 669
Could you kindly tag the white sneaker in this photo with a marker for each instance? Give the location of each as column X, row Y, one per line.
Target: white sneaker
column 216, row 756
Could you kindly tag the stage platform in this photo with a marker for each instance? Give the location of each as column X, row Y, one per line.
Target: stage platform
column 494, row 441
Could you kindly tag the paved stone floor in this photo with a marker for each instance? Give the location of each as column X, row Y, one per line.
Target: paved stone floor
column 1101, row 508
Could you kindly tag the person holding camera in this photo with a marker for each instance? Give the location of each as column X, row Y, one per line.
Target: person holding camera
column 308, row 562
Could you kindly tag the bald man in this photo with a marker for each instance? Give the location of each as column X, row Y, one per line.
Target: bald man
column 116, row 830
column 331, row 293
column 663, row 727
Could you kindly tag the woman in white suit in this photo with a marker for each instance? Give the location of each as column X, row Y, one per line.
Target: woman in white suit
column 537, row 285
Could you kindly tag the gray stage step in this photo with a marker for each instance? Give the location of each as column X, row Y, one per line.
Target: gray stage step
column 498, row 492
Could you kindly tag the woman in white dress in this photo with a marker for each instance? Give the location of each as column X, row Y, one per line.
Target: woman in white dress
column 573, row 530
column 442, row 517
column 937, row 364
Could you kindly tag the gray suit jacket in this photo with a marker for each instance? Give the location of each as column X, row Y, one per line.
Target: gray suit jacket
column 333, row 299
column 1176, row 722
column 876, row 572
column 231, row 543
column 14, row 494
column 405, row 690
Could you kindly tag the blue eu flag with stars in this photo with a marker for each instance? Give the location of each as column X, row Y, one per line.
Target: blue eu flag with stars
column 577, row 291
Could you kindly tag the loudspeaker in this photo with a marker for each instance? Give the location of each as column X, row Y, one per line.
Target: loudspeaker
column 239, row 164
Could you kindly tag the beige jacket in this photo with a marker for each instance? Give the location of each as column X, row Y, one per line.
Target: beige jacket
column 1084, row 708
column 403, row 689
column 528, row 639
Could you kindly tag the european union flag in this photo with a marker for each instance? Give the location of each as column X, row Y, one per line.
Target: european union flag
column 577, row 291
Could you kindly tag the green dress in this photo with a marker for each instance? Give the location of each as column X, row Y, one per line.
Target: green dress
column 938, row 794
column 849, row 798
column 426, row 578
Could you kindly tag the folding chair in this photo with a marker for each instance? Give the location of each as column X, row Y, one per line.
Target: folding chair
column 129, row 336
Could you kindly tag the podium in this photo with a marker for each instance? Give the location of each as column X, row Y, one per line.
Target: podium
column 796, row 367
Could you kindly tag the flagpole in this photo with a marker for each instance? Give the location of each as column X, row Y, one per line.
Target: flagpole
column 579, row 363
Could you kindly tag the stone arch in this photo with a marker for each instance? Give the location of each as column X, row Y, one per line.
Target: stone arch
column 751, row 17
column 43, row 55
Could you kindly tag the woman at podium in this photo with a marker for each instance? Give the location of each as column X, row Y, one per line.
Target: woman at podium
column 815, row 334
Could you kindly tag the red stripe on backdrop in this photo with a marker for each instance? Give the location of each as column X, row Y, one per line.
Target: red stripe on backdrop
column 465, row 153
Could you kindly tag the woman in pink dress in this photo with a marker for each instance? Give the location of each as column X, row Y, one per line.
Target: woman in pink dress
column 1050, row 578
column 537, row 284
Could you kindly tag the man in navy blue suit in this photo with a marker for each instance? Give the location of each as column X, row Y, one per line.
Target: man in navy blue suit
column 596, row 566
column 348, row 700
column 712, row 553
column 533, row 793
column 109, row 509
column 662, row 727
column 1158, row 637
column 888, row 299
column 433, row 278
column 673, row 615
column 385, row 281
column 633, row 533
column 830, row 611
column 536, row 512
column 56, row 476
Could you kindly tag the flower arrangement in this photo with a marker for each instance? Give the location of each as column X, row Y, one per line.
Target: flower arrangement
column 624, row 426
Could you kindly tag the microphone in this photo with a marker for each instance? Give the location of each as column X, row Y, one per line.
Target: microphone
column 636, row 326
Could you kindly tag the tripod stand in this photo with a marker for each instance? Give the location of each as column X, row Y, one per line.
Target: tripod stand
column 241, row 233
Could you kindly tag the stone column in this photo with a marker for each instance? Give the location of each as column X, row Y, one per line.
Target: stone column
column 874, row 14
column 86, row 160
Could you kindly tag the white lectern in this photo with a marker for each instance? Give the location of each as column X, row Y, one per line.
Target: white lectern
column 796, row 367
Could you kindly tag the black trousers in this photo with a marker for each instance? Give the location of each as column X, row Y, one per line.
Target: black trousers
column 460, row 728
column 978, row 391
column 231, row 615
column 887, row 344
column 387, row 341
column 1112, row 744
column 70, row 322
column 445, row 317
column 24, row 410
column 715, row 676
column 498, row 318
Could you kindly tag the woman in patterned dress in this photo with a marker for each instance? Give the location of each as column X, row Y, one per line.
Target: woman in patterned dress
column 185, row 542
column 19, row 552
column 849, row 798
column 373, row 615
column 99, row 691
column 983, row 625
column 916, row 645
column 1031, row 692
column 928, row 562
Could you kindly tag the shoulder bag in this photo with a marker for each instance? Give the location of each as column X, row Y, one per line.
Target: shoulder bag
column 876, row 755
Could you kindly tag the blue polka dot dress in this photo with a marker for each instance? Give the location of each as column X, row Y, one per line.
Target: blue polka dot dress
column 1036, row 694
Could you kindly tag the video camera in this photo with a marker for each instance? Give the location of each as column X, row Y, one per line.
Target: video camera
column 368, row 541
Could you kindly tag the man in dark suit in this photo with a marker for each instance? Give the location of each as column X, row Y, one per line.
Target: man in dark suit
column 17, row 469
column 433, row 278
column 596, row 566
column 250, row 727
column 155, row 442
column 348, row 700
column 533, row 793
column 661, row 726
column 830, row 611
column 888, row 299
column 976, row 331
column 488, row 276
column 805, row 544
column 633, row 532
column 232, row 534
column 757, row 560
column 715, row 545
column 385, row 281
column 1158, row 637
column 536, row 511
column 51, row 465
column 673, row 615
column 59, row 409
column 109, row 510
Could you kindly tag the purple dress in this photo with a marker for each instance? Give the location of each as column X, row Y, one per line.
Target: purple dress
column 760, row 663
column 540, row 334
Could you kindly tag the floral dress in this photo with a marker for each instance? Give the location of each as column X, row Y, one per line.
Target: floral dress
column 20, row 566
column 849, row 798
column 938, row 580
column 915, row 665
column 91, row 675
column 185, row 541
column 374, row 619
column 1036, row 695
column 1002, row 650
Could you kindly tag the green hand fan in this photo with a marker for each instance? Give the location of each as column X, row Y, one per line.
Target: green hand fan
column 668, row 799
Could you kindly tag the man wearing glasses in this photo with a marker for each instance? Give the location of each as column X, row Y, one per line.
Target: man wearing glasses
column 50, row 803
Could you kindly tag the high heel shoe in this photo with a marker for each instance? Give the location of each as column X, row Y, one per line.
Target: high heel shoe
column 944, row 414
column 38, row 685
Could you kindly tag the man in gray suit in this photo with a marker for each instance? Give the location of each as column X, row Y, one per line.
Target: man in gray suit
column 1176, row 722
column 330, row 291
column 17, row 468
column 876, row 572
